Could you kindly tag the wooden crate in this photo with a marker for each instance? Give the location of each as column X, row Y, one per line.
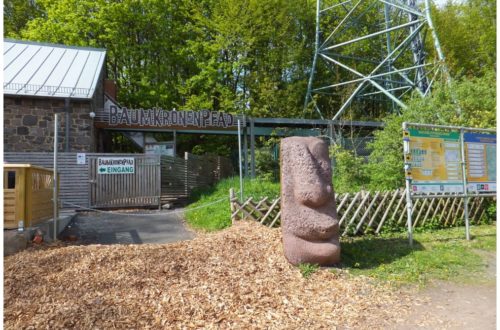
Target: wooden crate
column 28, row 191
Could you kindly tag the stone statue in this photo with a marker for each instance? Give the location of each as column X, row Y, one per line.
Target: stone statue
column 309, row 219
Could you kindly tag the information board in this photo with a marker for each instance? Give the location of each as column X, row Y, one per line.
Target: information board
column 161, row 148
column 480, row 158
column 434, row 159
column 115, row 165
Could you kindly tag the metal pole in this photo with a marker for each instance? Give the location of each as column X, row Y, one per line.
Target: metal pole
column 239, row 157
column 437, row 45
column 464, row 180
column 175, row 142
column 315, row 57
column 409, row 205
column 66, row 124
column 252, row 149
column 387, row 16
column 56, row 120
column 244, row 132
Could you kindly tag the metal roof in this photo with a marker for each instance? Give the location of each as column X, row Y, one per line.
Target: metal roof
column 41, row 69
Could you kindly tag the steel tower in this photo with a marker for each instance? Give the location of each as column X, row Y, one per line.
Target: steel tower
column 371, row 51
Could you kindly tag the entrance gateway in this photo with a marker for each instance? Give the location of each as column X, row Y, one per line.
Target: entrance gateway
column 124, row 181
column 134, row 123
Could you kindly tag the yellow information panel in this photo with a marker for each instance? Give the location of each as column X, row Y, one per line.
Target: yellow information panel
column 434, row 159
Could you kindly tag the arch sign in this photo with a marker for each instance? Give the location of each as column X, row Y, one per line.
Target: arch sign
column 114, row 116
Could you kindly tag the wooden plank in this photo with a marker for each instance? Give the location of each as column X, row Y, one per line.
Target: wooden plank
column 262, row 202
column 356, row 213
column 231, row 205
column 450, row 211
column 455, row 214
column 422, row 208
column 271, row 208
column 344, row 199
column 429, row 209
column 444, row 209
column 478, row 207
column 405, row 212
column 251, row 208
column 384, row 216
column 360, row 223
column 436, row 210
column 275, row 219
column 241, row 208
column 377, row 210
column 351, row 205
column 398, row 205
column 21, row 196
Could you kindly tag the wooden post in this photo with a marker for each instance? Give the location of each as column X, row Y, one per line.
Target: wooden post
column 21, row 196
column 231, row 205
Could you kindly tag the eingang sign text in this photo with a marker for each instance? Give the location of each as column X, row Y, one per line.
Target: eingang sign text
column 115, row 165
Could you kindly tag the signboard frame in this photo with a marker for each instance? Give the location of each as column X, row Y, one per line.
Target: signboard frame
column 115, row 165
column 464, row 193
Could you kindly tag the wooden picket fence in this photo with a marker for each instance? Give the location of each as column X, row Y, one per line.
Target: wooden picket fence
column 368, row 212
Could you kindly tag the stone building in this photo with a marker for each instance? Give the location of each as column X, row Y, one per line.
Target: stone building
column 43, row 79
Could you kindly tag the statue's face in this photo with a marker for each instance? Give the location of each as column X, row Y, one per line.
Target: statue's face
column 312, row 176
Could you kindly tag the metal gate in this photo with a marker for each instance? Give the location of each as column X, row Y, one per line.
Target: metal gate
column 123, row 181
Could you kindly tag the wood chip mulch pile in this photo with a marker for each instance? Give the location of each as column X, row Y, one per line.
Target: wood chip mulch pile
column 234, row 279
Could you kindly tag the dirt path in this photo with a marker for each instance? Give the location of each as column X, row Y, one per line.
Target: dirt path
column 446, row 305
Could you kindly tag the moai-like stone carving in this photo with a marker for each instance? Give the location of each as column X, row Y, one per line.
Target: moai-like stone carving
column 309, row 219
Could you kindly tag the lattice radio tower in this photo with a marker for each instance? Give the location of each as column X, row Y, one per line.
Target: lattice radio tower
column 373, row 51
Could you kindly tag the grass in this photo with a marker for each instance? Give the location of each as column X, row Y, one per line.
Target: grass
column 307, row 269
column 218, row 216
column 439, row 254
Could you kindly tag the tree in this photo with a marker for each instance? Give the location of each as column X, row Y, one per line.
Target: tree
column 467, row 33
column 476, row 107
column 145, row 43
column 17, row 13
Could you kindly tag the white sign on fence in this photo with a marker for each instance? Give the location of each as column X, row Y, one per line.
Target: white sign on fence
column 115, row 165
column 80, row 158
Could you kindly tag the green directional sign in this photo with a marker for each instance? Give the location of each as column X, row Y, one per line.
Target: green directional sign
column 116, row 165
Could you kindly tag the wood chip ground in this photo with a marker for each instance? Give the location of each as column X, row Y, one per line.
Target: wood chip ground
column 234, row 279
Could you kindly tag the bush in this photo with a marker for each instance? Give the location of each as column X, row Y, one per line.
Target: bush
column 266, row 165
column 348, row 170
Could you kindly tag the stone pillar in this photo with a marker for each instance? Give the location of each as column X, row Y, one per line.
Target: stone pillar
column 309, row 218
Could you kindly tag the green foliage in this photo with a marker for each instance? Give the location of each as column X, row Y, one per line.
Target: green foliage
column 475, row 107
column 467, row 32
column 144, row 40
column 442, row 254
column 490, row 215
column 213, row 145
column 391, row 226
column 16, row 14
column 348, row 170
column 266, row 166
column 430, row 225
column 254, row 56
column 218, row 215
column 308, row 269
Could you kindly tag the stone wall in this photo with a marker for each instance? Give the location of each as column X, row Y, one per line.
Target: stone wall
column 29, row 124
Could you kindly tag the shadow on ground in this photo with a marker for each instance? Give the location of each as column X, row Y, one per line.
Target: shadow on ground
column 108, row 228
column 368, row 252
